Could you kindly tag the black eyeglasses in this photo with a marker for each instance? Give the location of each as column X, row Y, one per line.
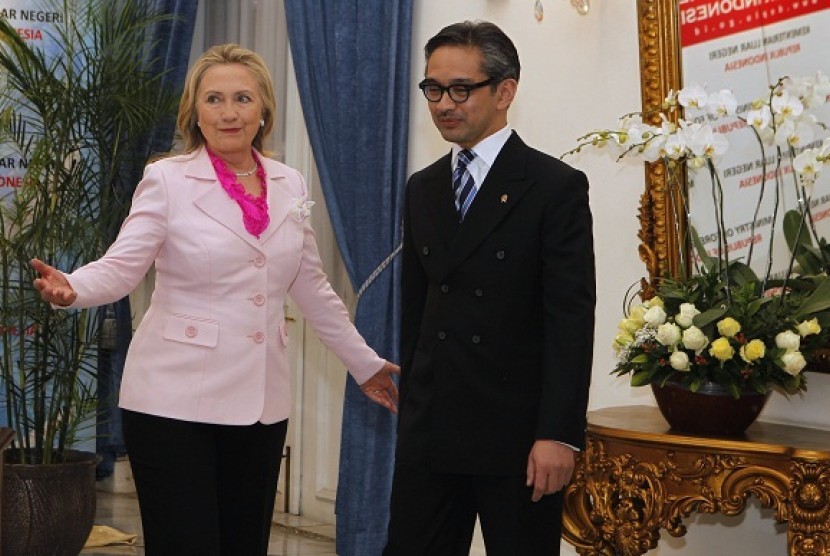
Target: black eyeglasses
column 458, row 92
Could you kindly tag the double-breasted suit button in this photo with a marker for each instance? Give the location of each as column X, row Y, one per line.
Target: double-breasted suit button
column 259, row 300
column 476, row 339
column 258, row 337
column 259, row 261
column 425, row 251
column 500, row 255
column 191, row 331
column 445, row 288
column 442, row 335
column 479, row 292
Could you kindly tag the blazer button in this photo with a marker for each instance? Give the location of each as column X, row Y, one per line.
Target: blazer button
column 259, row 300
column 499, row 255
column 191, row 331
column 442, row 335
column 259, row 261
column 476, row 339
column 259, row 337
column 445, row 288
column 425, row 250
column 479, row 292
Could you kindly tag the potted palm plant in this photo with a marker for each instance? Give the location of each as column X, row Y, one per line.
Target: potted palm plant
column 77, row 118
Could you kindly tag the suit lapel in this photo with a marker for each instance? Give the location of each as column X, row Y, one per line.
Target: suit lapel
column 440, row 201
column 505, row 184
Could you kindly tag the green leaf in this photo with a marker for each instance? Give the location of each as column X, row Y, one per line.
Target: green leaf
column 741, row 274
column 640, row 378
column 817, row 301
column 810, row 259
column 639, row 359
column 709, row 316
column 709, row 263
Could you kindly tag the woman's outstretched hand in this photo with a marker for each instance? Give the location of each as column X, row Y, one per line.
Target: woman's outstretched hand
column 53, row 285
column 381, row 388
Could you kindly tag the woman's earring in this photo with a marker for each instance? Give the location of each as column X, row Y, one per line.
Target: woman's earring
column 262, row 123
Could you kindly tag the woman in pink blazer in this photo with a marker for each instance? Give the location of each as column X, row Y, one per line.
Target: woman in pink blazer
column 205, row 393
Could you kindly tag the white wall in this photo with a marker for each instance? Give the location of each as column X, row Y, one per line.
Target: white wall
column 580, row 73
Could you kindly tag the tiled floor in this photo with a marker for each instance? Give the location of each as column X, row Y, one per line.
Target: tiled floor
column 290, row 536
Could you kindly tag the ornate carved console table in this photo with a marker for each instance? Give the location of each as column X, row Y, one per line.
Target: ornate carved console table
column 636, row 477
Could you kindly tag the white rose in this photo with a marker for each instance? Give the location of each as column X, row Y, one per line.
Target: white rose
column 686, row 315
column 668, row 334
column 793, row 362
column 655, row 316
column 788, row 340
column 679, row 361
column 694, row 338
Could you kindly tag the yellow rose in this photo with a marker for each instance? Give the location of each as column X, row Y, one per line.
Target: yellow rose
column 636, row 315
column 629, row 326
column 808, row 327
column 621, row 341
column 721, row 349
column 729, row 327
column 753, row 350
column 655, row 301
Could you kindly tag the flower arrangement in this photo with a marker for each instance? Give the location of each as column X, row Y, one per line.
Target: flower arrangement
column 718, row 322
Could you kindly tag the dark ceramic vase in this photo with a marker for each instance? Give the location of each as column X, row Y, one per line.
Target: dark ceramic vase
column 48, row 509
column 712, row 410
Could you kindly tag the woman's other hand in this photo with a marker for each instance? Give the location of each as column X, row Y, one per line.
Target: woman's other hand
column 53, row 286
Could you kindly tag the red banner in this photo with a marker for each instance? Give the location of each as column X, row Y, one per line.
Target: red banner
column 704, row 20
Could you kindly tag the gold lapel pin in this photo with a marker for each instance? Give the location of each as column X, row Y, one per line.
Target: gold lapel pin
column 504, row 198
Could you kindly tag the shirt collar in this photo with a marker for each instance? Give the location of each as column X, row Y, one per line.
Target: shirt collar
column 488, row 148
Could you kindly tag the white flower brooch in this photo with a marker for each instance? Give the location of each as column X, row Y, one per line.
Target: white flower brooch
column 300, row 209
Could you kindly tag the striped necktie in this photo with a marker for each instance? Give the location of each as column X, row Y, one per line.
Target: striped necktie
column 463, row 183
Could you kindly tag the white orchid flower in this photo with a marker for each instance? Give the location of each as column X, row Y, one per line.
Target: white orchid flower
column 808, row 165
column 759, row 119
column 787, row 105
column 813, row 91
column 693, row 96
column 821, row 87
column 793, row 134
column 704, row 142
column 675, row 146
column 722, row 103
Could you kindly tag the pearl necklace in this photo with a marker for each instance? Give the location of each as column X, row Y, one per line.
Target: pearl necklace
column 248, row 173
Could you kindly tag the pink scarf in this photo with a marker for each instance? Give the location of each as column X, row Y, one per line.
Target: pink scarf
column 254, row 209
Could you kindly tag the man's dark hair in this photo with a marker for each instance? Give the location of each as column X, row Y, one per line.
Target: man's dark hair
column 500, row 59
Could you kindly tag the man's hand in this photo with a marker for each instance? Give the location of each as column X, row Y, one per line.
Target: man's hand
column 381, row 388
column 549, row 467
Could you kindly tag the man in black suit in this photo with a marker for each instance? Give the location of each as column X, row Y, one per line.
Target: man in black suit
column 497, row 319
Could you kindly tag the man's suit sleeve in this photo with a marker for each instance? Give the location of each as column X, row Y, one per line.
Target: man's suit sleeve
column 569, row 300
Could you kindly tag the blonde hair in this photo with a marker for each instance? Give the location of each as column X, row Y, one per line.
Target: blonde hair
column 224, row 54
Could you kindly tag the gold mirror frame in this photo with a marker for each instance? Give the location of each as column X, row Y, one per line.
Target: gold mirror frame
column 660, row 73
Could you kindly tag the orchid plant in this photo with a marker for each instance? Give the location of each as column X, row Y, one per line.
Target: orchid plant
column 718, row 321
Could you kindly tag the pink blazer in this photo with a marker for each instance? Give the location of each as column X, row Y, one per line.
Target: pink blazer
column 212, row 346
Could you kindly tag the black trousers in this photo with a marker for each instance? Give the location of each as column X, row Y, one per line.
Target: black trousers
column 434, row 514
column 203, row 489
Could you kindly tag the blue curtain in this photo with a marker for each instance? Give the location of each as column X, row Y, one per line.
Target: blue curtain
column 171, row 40
column 351, row 58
